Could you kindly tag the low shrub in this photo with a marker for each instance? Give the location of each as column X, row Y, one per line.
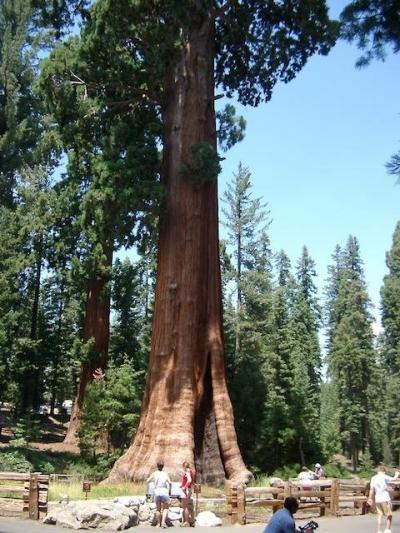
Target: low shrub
column 14, row 461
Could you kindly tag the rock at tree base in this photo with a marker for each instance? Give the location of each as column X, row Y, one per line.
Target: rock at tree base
column 144, row 512
column 208, row 519
column 85, row 515
column 130, row 501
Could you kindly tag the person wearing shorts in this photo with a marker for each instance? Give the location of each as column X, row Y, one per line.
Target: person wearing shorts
column 379, row 494
column 162, row 485
column 187, row 482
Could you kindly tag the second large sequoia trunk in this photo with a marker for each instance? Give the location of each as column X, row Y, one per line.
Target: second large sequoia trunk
column 96, row 329
column 187, row 413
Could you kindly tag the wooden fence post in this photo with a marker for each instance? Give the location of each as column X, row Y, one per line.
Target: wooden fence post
column 322, row 500
column 234, row 504
column 33, row 497
column 365, row 507
column 335, row 497
column 241, row 505
column 287, row 489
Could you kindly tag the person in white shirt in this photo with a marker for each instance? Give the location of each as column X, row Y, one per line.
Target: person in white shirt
column 318, row 471
column 162, row 485
column 379, row 494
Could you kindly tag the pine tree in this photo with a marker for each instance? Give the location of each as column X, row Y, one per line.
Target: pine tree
column 278, row 434
column 20, row 124
column 306, row 359
column 351, row 356
column 390, row 295
column 28, row 154
column 246, row 220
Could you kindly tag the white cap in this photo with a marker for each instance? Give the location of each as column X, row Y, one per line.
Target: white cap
column 317, row 465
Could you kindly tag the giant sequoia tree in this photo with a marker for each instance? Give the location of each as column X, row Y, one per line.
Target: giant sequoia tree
column 188, row 48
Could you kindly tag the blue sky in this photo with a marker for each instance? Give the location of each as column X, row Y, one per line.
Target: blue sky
column 317, row 154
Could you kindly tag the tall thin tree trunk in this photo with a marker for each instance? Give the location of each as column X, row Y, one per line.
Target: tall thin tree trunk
column 239, row 289
column 301, row 452
column 96, row 327
column 56, row 358
column 187, row 414
column 30, row 391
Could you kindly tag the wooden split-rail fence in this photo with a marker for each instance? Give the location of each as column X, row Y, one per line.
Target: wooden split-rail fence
column 319, row 497
column 31, row 489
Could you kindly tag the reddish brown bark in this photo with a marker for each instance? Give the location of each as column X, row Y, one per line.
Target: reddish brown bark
column 187, row 414
column 96, row 327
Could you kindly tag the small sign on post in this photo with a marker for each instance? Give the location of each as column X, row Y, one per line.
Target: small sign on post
column 86, row 487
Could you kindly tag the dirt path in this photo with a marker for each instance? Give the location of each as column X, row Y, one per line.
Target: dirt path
column 347, row 524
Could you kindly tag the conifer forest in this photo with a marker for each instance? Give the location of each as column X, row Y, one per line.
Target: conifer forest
column 151, row 299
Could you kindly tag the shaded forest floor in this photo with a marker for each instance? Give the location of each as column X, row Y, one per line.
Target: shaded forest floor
column 46, row 452
column 52, row 432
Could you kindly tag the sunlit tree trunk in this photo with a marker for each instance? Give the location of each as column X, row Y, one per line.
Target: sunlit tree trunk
column 187, row 413
column 96, row 327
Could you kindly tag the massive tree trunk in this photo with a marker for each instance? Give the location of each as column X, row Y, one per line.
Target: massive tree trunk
column 187, row 413
column 96, row 327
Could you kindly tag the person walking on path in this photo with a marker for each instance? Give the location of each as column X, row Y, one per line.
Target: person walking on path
column 379, row 495
column 282, row 521
column 162, row 485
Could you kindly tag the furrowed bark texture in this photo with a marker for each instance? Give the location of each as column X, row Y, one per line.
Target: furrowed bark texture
column 187, row 414
column 96, row 326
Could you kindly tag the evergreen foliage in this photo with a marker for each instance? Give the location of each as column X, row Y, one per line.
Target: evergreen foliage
column 111, row 407
column 352, row 361
column 246, row 220
column 274, row 358
column 373, row 25
column 390, row 294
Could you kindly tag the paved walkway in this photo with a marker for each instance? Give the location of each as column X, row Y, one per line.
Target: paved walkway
column 346, row 524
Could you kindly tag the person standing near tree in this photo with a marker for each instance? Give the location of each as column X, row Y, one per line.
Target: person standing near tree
column 379, row 495
column 318, row 471
column 188, row 479
column 162, row 485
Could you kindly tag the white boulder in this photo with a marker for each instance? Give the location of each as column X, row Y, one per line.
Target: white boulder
column 208, row 519
column 90, row 514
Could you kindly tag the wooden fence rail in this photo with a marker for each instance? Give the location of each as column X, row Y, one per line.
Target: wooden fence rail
column 325, row 496
column 32, row 489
